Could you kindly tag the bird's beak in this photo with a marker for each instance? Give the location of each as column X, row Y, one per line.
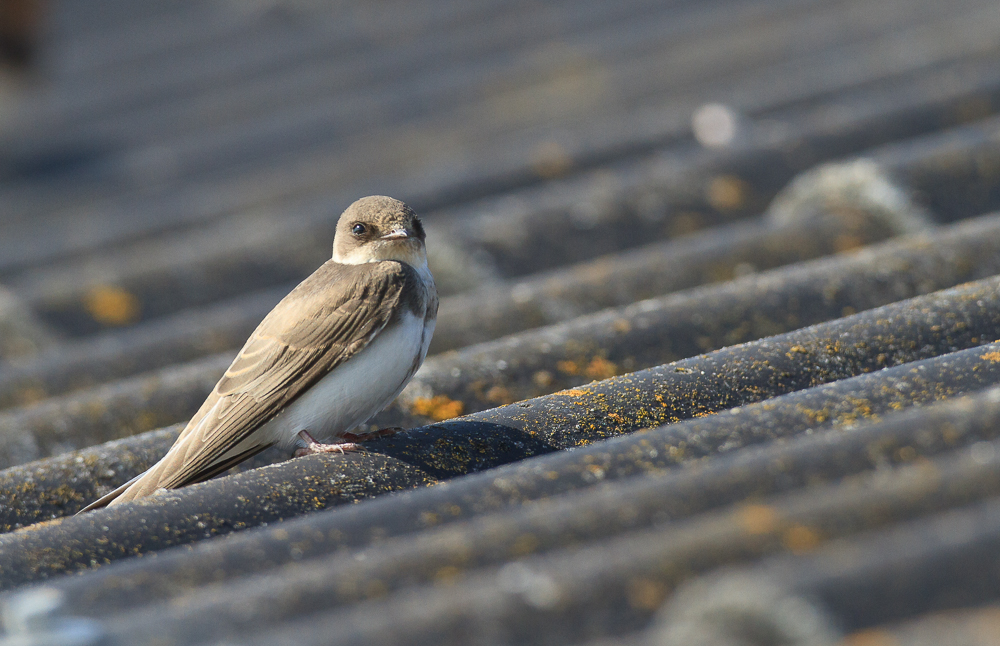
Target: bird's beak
column 398, row 234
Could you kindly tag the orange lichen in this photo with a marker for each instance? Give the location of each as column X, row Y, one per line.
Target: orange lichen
column 447, row 575
column 568, row 367
column 646, row 594
column 871, row 637
column 800, row 539
column 438, row 407
column 600, row 368
column 757, row 519
column 727, row 192
column 43, row 524
column 110, row 305
column 991, row 356
column 499, row 395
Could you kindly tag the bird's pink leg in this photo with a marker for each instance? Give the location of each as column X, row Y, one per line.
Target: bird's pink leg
column 352, row 443
column 315, row 446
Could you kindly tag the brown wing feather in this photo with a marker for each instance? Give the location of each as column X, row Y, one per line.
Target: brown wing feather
column 324, row 321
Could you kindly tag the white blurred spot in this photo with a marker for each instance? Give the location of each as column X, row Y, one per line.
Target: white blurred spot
column 714, row 125
column 536, row 588
column 982, row 452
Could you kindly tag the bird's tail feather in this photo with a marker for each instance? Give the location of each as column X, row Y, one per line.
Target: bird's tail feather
column 151, row 480
column 106, row 499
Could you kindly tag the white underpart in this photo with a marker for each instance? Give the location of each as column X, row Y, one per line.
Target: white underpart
column 355, row 390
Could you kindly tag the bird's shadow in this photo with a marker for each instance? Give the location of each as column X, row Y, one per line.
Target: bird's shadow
column 458, row 447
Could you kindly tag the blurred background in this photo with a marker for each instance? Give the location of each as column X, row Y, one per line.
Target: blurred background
column 169, row 169
column 162, row 156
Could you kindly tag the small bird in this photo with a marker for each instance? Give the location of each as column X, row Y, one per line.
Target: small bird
column 330, row 355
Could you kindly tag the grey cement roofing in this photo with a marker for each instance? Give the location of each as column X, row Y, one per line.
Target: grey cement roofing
column 681, row 391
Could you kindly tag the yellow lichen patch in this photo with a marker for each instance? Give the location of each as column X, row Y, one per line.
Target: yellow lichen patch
column 499, row 395
column 573, row 392
column 800, row 539
column 447, row 574
column 43, row 524
column 438, row 407
column 63, row 493
column 646, row 594
column 110, row 305
column 757, row 519
column 542, row 378
column 727, row 192
column 568, row 367
column 600, row 368
column 991, row 356
column 817, row 416
column 862, row 406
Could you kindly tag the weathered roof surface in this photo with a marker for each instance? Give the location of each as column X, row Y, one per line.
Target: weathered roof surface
column 718, row 358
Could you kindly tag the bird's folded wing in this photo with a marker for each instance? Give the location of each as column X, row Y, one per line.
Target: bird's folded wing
column 322, row 323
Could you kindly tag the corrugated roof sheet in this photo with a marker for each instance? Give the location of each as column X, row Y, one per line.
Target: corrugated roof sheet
column 717, row 354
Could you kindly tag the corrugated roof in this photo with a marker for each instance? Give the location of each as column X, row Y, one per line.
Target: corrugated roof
column 716, row 358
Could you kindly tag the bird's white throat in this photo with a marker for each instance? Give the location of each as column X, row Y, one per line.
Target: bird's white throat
column 412, row 254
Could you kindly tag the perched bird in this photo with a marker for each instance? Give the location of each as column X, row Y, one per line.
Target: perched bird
column 330, row 355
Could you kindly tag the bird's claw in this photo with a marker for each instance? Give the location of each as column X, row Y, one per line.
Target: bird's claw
column 351, row 442
column 318, row 447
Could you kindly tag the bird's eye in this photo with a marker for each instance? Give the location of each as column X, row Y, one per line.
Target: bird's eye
column 359, row 229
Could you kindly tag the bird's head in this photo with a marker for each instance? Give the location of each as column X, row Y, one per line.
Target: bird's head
column 379, row 228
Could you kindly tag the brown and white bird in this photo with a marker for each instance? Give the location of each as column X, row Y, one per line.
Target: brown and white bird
column 330, row 355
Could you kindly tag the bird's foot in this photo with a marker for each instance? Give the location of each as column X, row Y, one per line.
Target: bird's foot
column 319, row 447
column 312, row 445
column 352, row 442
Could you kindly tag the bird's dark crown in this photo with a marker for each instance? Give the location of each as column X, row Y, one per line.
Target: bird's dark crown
column 379, row 228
